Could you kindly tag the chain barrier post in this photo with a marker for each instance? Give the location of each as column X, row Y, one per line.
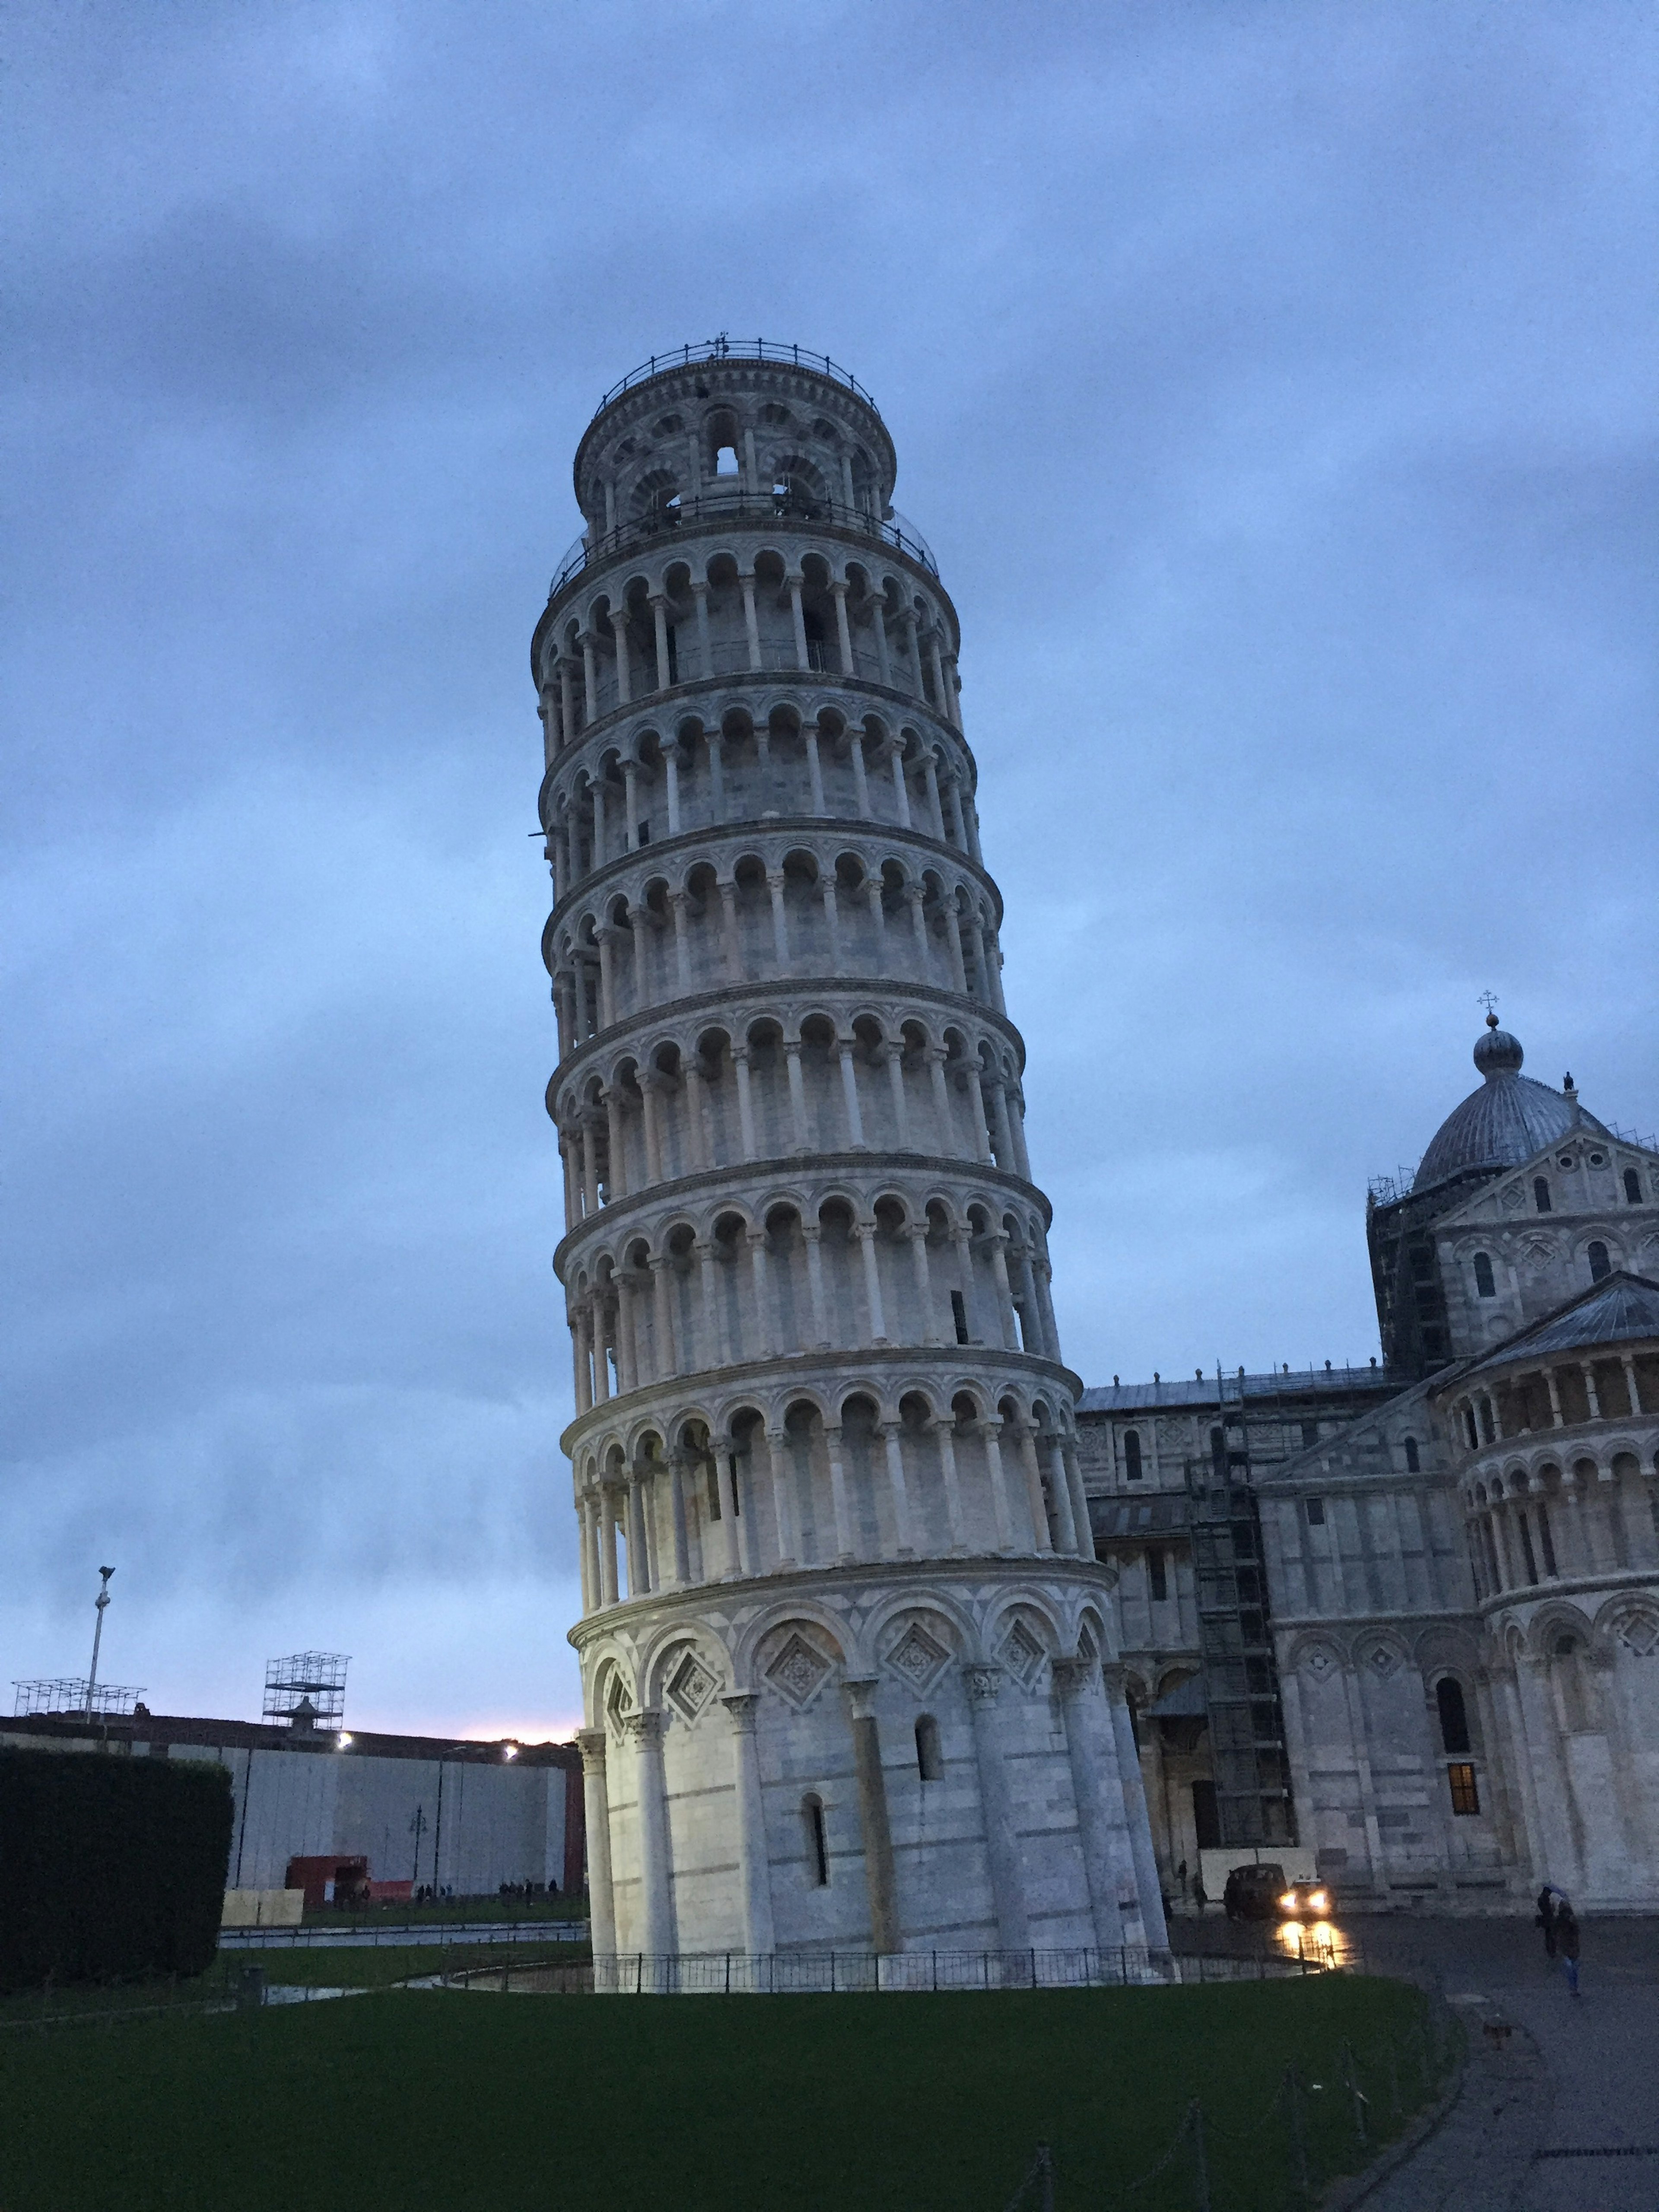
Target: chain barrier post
column 1299, row 2141
column 1355, row 2093
column 1200, row 2168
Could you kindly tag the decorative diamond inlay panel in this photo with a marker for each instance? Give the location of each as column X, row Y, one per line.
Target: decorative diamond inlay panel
column 1383, row 1660
column 690, row 1687
column 1021, row 1654
column 799, row 1672
column 917, row 1656
column 1639, row 1632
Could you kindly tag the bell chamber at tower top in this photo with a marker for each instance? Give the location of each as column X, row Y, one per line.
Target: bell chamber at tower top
column 738, row 521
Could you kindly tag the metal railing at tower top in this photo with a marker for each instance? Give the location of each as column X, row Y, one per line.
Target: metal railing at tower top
column 730, row 348
column 738, row 506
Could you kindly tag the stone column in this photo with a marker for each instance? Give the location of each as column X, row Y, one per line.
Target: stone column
column 901, row 793
column 1074, row 1679
column 1149, row 1903
column 619, row 634
column 944, row 1433
column 865, row 1233
column 839, row 1503
column 783, row 1505
column 677, row 1507
column 894, row 1055
column 799, row 619
column 589, row 1555
column 1026, row 1431
column 860, row 778
column 705, row 655
column 779, row 919
column 596, row 1806
column 751, row 619
column 990, row 1433
column 984, row 1687
column 746, row 1101
column 903, row 1536
column 754, row 1868
column 1059, row 1497
column 645, row 1727
column 814, row 767
column 660, row 619
column 796, row 1093
column 916, row 1232
column 662, row 1315
column 843, row 634
column 716, row 776
column 615, row 1145
column 930, row 772
column 812, row 1236
column 878, row 1875
column 768, row 1335
column 1085, row 1526
column 607, row 1516
column 567, row 702
column 946, row 1120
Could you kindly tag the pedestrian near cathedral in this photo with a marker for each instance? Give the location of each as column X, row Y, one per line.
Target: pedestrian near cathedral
column 1546, row 1919
column 1566, row 1942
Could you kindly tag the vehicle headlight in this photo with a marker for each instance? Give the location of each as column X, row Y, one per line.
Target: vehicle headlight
column 1287, row 1903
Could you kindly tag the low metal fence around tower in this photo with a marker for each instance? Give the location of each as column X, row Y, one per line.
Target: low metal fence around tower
column 813, row 1973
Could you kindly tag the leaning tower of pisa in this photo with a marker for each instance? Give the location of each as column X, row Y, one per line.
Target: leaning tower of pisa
column 847, row 1653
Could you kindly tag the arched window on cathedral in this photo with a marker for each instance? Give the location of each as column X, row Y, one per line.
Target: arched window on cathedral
column 1132, row 1455
column 1454, row 1714
column 1632, row 1188
column 1600, row 1265
column 1413, row 1457
column 818, row 1843
column 1541, row 1193
column 930, row 1762
column 1484, row 1287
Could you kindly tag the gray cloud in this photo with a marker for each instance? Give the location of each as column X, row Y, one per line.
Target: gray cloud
column 1275, row 389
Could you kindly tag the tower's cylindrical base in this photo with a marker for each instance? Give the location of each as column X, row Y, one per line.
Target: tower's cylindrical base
column 873, row 1757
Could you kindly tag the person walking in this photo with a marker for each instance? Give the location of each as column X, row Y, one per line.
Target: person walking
column 1546, row 1919
column 1566, row 1942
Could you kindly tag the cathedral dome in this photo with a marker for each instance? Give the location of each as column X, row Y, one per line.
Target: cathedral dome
column 1508, row 1119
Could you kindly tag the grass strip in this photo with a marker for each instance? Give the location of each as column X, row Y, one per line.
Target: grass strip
column 484, row 2103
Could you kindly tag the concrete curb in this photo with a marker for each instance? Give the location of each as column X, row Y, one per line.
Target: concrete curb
column 1354, row 2188
column 1474, row 2150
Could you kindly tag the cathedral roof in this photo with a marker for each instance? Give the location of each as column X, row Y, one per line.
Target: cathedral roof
column 1173, row 1391
column 1623, row 1309
column 1506, row 1120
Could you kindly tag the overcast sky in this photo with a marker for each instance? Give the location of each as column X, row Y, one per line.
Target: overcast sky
column 1275, row 384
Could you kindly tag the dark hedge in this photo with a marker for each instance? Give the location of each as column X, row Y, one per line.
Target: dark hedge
column 111, row 1869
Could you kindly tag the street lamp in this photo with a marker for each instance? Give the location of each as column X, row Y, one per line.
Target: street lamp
column 100, row 1602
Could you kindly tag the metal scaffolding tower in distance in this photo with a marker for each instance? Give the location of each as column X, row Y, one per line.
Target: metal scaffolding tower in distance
column 1253, row 1804
column 307, row 1689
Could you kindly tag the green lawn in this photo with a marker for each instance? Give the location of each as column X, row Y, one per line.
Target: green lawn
column 484, row 2103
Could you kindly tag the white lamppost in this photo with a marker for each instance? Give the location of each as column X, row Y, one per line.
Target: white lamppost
column 100, row 1603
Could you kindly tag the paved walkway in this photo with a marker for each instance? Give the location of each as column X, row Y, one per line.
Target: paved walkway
column 1582, row 2075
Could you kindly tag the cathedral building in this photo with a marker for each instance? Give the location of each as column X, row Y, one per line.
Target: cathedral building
column 1402, row 1625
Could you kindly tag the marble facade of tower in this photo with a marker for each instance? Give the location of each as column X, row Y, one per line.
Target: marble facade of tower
column 846, row 1648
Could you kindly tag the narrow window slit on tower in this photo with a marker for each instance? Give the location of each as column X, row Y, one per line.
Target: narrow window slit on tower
column 959, row 1316
column 818, row 1843
column 930, row 1764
